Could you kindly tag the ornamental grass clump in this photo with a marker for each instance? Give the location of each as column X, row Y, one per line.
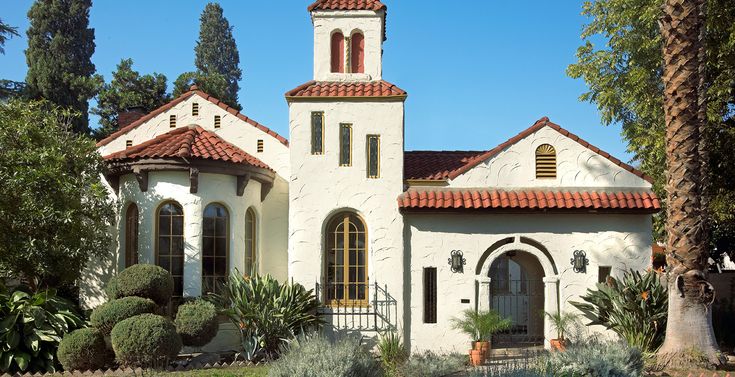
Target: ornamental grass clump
column 145, row 340
column 142, row 280
column 196, row 322
column 83, row 350
column 317, row 356
column 392, row 351
column 107, row 315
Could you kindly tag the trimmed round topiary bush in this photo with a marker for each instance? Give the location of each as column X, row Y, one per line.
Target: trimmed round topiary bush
column 145, row 340
column 84, row 349
column 196, row 322
column 142, row 280
column 107, row 315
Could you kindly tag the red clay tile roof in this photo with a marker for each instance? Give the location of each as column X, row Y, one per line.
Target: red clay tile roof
column 359, row 89
column 194, row 90
column 188, row 142
column 347, row 5
column 529, row 199
column 436, row 166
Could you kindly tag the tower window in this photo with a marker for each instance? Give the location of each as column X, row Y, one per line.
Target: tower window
column 317, row 132
column 545, row 161
column 357, row 53
column 260, row 145
column 172, row 121
column 338, row 52
column 346, row 261
column 217, row 121
column 373, row 156
column 194, row 109
column 345, row 144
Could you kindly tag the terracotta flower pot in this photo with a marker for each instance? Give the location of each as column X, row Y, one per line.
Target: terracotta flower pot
column 484, row 347
column 476, row 357
column 558, row 344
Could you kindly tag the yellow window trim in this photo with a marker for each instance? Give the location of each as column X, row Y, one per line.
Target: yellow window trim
column 349, row 150
column 367, row 152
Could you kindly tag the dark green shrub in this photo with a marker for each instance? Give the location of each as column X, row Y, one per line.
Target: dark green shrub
column 142, row 280
column 196, row 322
column 634, row 307
column 146, row 340
column 84, row 349
column 318, row 357
column 595, row 358
column 31, row 327
column 107, row 315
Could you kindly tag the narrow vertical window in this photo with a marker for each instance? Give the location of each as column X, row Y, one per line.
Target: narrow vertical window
column 430, row 295
column 373, row 156
column 217, row 121
column 545, row 161
column 357, row 53
column 170, row 243
column 131, row 235
column 345, row 144
column 338, row 53
column 603, row 272
column 172, row 121
column 260, row 146
column 317, row 132
column 215, row 255
column 250, row 242
column 194, row 109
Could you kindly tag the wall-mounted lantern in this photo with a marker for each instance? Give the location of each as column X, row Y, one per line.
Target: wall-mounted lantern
column 580, row 261
column 457, row 261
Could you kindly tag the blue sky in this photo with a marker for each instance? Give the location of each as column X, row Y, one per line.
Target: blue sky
column 476, row 73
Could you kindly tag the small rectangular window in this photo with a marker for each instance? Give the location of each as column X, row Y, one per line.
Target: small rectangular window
column 194, row 109
column 603, row 273
column 373, row 156
column 172, row 121
column 260, row 145
column 430, row 295
column 345, row 144
column 217, row 121
column 317, row 132
column 128, row 143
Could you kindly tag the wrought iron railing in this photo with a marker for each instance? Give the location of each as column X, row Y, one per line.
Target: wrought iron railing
column 358, row 306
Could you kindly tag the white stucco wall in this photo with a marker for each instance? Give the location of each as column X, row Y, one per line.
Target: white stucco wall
column 620, row 241
column 327, row 23
column 577, row 166
column 320, row 187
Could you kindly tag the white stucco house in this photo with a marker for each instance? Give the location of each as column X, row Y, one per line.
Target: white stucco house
column 388, row 238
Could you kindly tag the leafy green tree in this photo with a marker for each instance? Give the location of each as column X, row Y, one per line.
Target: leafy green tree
column 6, row 32
column 624, row 77
column 8, row 88
column 54, row 210
column 128, row 89
column 212, row 84
column 59, row 56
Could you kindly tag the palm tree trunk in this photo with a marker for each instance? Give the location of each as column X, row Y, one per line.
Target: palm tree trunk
column 689, row 335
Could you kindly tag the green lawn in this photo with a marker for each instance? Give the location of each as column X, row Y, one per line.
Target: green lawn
column 250, row 371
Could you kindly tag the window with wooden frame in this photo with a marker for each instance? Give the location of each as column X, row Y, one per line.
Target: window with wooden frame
column 215, row 247
column 372, row 148
column 170, row 243
column 194, row 109
column 545, row 161
column 172, row 121
column 317, row 132
column 251, row 242
column 131, row 235
column 346, row 267
column 345, row 144
column 430, row 295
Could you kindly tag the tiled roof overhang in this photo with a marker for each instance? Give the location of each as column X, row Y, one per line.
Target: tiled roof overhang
column 346, row 90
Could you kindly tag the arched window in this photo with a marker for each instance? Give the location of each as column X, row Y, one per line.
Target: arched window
column 338, row 52
column 215, row 239
column 251, row 242
column 346, row 259
column 357, row 52
column 170, row 243
column 545, row 161
column 131, row 235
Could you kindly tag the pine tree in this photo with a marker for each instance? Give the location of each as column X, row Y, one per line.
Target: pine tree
column 216, row 51
column 6, row 32
column 60, row 48
column 128, row 89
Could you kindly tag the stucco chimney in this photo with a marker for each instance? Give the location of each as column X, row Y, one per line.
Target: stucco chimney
column 129, row 115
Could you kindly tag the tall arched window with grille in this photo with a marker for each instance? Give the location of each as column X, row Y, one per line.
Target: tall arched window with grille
column 170, row 243
column 545, row 161
column 131, row 235
column 215, row 247
column 346, row 275
column 251, row 242
column 338, row 52
column 357, row 52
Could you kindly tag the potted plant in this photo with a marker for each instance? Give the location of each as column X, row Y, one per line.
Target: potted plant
column 480, row 326
column 561, row 322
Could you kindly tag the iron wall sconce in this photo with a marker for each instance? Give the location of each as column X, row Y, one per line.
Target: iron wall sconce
column 580, row 261
column 457, row 261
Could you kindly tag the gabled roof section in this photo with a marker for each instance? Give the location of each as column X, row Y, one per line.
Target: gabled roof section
column 194, row 90
column 373, row 5
column 188, row 142
column 348, row 89
column 446, row 168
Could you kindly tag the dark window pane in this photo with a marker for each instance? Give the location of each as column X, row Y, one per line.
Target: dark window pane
column 317, row 131
column 164, row 225
column 208, row 226
column 163, row 262
column 164, row 246
column 208, row 246
column 178, row 287
column 220, row 247
column 208, row 266
column 220, row 266
column 177, row 225
column 221, row 227
column 345, row 138
column 373, row 156
column 177, row 245
column 177, row 266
